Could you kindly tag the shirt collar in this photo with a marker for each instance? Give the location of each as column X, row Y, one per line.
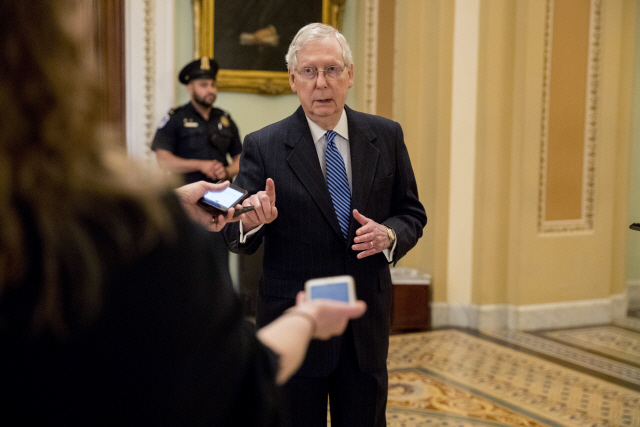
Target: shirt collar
column 342, row 128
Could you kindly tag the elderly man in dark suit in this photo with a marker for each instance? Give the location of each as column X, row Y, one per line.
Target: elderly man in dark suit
column 345, row 201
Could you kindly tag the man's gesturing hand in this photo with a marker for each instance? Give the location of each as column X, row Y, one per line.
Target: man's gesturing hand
column 371, row 238
column 264, row 203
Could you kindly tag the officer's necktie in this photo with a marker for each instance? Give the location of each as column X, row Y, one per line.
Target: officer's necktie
column 338, row 183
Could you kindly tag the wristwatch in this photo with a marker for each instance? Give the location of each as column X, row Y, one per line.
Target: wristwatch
column 391, row 235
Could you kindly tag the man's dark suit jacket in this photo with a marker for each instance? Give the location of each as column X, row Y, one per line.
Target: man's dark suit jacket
column 305, row 240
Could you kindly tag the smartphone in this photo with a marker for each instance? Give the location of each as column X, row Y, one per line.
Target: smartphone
column 338, row 288
column 219, row 202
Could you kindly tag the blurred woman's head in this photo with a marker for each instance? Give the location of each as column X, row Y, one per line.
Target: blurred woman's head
column 59, row 168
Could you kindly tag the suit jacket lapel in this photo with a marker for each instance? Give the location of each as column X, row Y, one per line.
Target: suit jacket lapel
column 303, row 159
column 364, row 159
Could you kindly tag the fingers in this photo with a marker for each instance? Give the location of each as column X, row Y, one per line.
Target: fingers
column 351, row 310
column 265, row 210
column 210, row 186
column 368, row 225
column 191, row 193
column 218, row 170
column 356, row 309
column 229, row 216
column 270, row 189
column 363, row 220
column 200, row 216
column 365, row 254
column 332, row 317
column 217, row 222
column 262, row 211
column 371, row 238
column 301, row 297
column 213, row 169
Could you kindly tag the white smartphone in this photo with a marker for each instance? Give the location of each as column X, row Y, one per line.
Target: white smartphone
column 338, row 288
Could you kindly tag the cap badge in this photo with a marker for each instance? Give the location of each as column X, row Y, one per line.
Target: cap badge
column 204, row 63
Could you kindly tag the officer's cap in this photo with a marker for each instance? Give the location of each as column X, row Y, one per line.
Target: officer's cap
column 203, row 68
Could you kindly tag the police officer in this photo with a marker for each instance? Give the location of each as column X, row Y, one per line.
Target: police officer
column 194, row 139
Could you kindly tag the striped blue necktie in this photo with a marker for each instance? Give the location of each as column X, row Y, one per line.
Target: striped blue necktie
column 338, row 183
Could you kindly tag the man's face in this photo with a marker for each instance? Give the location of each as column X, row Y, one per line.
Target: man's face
column 322, row 98
column 203, row 92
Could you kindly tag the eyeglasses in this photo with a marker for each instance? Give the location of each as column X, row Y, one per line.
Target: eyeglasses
column 332, row 72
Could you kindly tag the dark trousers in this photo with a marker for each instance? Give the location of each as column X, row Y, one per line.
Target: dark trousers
column 356, row 398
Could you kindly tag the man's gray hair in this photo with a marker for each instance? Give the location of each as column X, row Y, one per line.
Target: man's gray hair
column 314, row 33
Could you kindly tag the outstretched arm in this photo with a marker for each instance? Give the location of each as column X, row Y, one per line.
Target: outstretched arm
column 289, row 335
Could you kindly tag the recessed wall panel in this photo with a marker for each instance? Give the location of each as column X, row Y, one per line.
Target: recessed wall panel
column 568, row 128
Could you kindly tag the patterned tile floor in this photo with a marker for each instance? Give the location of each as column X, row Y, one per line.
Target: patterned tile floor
column 577, row 377
column 610, row 341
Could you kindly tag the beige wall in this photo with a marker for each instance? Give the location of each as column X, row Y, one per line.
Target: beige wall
column 494, row 151
column 633, row 247
column 514, row 262
column 581, row 265
column 422, row 105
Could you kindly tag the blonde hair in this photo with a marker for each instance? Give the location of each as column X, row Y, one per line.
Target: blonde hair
column 61, row 172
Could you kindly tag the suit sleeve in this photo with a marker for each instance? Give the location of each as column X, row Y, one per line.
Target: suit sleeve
column 252, row 177
column 408, row 216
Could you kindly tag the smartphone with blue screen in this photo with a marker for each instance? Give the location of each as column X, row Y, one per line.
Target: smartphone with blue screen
column 219, row 202
column 338, row 288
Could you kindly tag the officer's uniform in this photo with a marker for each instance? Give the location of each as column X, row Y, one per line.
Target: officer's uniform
column 186, row 134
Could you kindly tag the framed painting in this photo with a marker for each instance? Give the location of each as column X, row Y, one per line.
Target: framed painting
column 250, row 38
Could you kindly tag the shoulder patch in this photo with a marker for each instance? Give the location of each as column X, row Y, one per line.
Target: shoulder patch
column 165, row 119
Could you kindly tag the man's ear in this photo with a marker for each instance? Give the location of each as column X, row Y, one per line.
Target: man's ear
column 292, row 81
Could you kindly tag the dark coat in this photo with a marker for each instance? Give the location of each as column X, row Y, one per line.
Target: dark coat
column 305, row 240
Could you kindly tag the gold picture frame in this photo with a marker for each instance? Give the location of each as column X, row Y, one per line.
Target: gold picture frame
column 260, row 81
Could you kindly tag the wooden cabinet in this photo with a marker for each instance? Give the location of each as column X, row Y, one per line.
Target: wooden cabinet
column 411, row 307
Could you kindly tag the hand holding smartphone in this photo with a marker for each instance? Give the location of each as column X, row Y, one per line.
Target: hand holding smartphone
column 337, row 288
column 219, row 202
